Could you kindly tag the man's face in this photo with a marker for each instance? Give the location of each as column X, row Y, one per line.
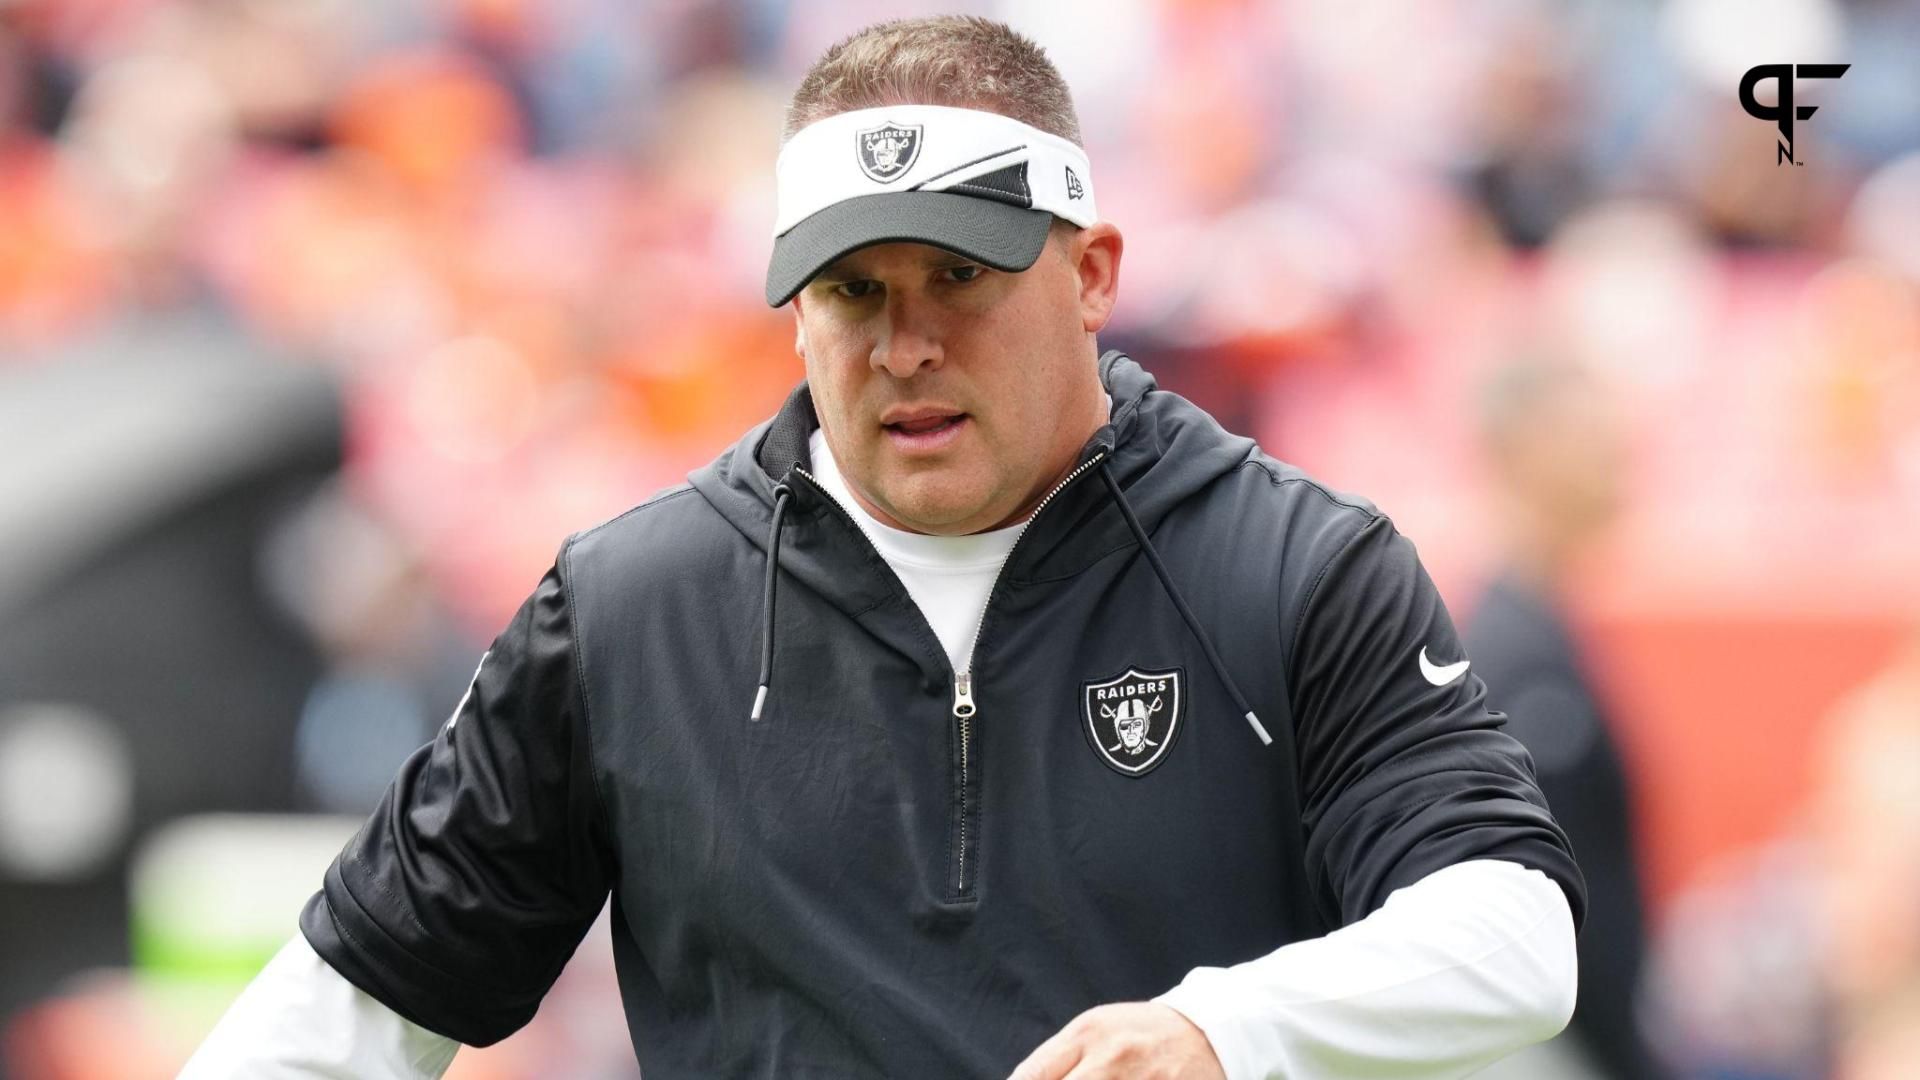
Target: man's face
column 953, row 396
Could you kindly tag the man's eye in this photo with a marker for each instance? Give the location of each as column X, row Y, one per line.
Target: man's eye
column 855, row 290
column 965, row 273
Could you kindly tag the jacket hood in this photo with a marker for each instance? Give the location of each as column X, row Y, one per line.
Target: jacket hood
column 1160, row 447
column 1155, row 451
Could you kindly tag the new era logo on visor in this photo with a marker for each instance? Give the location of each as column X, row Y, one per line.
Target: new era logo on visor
column 1133, row 718
column 888, row 151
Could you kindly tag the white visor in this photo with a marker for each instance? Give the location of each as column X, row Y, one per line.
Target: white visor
column 979, row 184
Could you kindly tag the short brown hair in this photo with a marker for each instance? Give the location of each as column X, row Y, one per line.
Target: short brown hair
column 959, row 60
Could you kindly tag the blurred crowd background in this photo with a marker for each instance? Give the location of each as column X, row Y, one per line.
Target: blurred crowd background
column 323, row 322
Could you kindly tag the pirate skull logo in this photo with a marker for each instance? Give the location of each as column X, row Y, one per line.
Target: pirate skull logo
column 1130, row 723
column 888, row 151
column 1131, row 719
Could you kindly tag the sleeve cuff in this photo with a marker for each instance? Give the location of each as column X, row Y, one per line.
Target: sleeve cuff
column 1214, row 1001
column 354, row 944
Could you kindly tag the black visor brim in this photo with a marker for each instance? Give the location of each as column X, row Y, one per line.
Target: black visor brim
column 992, row 233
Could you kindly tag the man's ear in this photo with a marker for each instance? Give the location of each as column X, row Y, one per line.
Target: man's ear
column 799, row 332
column 1095, row 254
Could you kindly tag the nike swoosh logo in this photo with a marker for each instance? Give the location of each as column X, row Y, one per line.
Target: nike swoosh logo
column 1441, row 674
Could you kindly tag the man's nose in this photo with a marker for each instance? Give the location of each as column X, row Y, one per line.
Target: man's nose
column 909, row 340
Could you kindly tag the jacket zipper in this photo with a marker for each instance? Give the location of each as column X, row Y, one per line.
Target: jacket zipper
column 964, row 708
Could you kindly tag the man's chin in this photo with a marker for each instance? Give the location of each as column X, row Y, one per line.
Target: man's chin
column 939, row 521
column 930, row 507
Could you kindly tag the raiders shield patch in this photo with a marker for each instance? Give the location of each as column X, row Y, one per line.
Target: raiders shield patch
column 888, row 151
column 1133, row 718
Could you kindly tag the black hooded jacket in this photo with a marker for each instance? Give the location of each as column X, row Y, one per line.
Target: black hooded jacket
column 872, row 879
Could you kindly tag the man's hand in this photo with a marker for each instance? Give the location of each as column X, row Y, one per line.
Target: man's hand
column 1139, row 1040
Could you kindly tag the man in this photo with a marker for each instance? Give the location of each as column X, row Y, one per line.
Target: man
column 1556, row 452
column 976, row 698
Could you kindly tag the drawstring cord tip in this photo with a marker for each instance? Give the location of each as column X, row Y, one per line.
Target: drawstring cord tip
column 760, row 699
column 1265, row 739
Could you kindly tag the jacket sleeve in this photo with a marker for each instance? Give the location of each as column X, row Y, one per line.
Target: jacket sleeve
column 1403, row 768
column 461, row 898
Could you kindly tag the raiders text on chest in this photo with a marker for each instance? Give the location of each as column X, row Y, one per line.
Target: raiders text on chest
column 1110, row 693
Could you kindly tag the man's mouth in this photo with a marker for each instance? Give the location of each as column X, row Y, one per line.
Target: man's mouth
column 927, row 424
column 923, row 429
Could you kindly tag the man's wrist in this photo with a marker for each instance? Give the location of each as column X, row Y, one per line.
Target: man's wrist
column 1206, row 1000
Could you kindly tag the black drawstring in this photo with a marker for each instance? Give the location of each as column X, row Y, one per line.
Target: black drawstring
column 1193, row 624
column 781, row 494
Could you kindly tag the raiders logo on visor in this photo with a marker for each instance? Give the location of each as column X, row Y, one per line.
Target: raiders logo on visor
column 1133, row 718
column 983, row 186
column 888, row 151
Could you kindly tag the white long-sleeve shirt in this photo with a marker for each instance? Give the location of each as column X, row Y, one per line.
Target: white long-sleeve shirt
column 301, row 1020
column 1454, row 972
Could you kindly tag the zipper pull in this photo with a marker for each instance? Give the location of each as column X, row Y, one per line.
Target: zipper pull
column 963, row 695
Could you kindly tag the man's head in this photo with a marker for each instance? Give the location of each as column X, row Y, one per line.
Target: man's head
column 947, row 270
